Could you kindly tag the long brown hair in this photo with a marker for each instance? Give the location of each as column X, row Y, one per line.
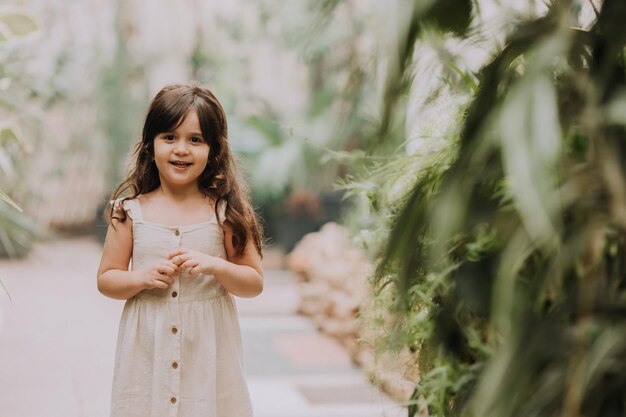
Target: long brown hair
column 221, row 180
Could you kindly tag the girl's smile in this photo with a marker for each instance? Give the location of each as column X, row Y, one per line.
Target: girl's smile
column 181, row 165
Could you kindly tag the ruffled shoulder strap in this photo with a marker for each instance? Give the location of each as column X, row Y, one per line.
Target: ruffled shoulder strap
column 131, row 207
column 117, row 208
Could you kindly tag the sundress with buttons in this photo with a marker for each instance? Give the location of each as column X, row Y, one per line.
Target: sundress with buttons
column 178, row 350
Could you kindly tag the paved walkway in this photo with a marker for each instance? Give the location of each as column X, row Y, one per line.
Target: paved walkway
column 57, row 343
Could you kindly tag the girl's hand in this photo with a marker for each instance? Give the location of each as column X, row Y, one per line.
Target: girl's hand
column 195, row 262
column 160, row 276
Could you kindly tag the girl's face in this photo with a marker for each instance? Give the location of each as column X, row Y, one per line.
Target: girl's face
column 182, row 154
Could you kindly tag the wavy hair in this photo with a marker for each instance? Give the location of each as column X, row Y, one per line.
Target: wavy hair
column 220, row 181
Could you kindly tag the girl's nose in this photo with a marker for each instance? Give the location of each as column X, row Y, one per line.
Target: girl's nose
column 181, row 147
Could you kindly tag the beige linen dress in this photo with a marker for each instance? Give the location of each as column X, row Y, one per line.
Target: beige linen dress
column 178, row 350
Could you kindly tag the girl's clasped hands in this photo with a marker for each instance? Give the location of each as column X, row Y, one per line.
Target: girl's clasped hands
column 194, row 262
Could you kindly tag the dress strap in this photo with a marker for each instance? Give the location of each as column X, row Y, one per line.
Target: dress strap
column 133, row 209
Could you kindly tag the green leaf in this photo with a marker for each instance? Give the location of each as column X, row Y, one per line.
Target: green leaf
column 529, row 131
column 20, row 24
column 7, row 199
column 7, row 135
column 467, row 78
column 17, row 232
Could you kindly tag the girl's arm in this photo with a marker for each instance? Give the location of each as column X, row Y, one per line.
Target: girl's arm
column 239, row 275
column 114, row 278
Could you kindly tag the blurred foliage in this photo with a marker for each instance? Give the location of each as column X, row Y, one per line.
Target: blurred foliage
column 16, row 231
column 333, row 53
column 505, row 252
column 120, row 113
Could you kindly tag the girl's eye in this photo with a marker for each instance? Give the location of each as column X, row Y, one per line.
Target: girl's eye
column 196, row 139
column 168, row 137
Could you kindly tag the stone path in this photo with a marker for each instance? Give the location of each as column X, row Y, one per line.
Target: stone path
column 57, row 344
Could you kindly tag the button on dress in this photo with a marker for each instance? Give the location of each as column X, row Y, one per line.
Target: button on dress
column 178, row 350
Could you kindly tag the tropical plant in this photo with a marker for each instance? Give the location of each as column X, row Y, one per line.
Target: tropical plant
column 506, row 257
column 16, row 231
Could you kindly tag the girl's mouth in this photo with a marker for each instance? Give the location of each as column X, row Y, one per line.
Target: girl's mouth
column 180, row 165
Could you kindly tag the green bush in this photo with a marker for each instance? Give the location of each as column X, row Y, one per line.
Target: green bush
column 505, row 257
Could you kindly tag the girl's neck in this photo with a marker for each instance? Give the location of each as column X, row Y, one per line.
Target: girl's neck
column 179, row 193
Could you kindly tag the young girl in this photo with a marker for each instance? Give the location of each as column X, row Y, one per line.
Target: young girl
column 194, row 240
